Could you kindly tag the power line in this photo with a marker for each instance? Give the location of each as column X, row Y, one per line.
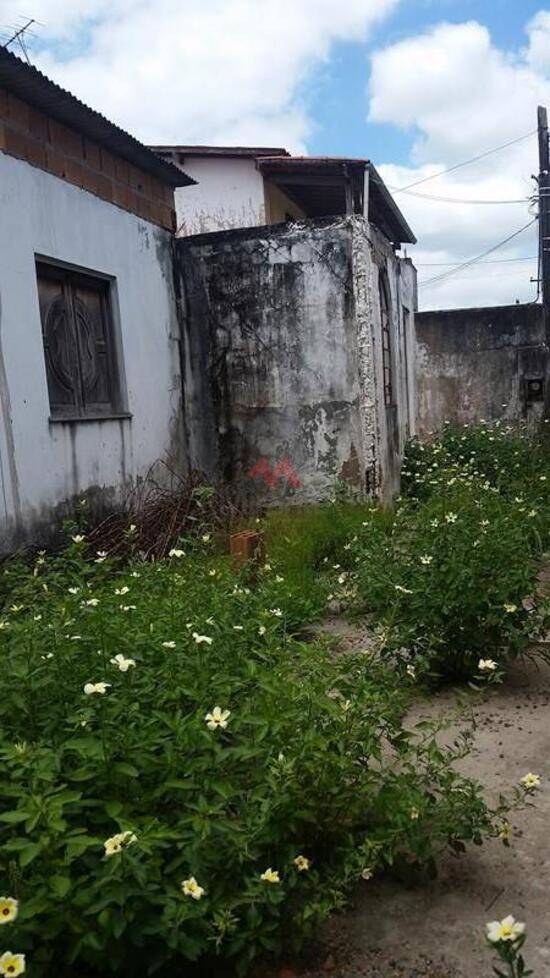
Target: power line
column 457, row 166
column 488, row 261
column 462, row 200
column 477, row 258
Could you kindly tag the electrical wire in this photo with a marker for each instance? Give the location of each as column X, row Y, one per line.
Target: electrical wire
column 461, row 200
column 477, row 258
column 488, row 261
column 457, row 166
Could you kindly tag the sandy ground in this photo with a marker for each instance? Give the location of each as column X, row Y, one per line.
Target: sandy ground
column 435, row 929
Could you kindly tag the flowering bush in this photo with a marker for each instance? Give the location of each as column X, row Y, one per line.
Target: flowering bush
column 182, row 778
column 452, row 577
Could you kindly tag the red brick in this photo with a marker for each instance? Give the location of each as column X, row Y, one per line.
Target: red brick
column 74, row 172
column 66, row 140
column 3, row 104
column 104, row 186
column 121, row 170
column 38, row 124
column 107, row 162
column 120, row 194
column 92, row 155
column 55, row 161
column 36, row 152
column 18, row 112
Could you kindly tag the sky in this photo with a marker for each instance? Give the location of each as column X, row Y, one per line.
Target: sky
column 416, row 86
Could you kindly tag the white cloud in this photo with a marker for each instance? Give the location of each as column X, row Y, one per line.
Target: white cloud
column 458, row 95
column 201, row 70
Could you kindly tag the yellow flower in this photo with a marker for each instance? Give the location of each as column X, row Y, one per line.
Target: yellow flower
column 12, row 964
column 302, row 863
column 8, row 909
column 507, row 929
column 487, row 665
column 122, row 663
column 192, row 889
column 270, row 876
column 510, row 608
column 218, row 718
column 91, row 688
column 505, row 832
column 200, row 639
column 119, row 842
column 414, row 814
column 530, row 781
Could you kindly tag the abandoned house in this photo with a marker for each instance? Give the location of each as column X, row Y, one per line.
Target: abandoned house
column 275, row 351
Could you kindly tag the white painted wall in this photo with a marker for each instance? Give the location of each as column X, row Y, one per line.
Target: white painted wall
column 229, row 194
column 44, row 464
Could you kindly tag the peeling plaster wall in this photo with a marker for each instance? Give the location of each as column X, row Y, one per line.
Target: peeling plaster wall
column 44, row 465
column 282, row 347
column 475, row 364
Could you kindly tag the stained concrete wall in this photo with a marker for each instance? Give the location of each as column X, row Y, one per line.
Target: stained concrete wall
column 283, row 348
column 484, row 363
column 44, row 465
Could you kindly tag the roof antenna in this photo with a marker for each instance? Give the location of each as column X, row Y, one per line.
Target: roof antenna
column 19, row 36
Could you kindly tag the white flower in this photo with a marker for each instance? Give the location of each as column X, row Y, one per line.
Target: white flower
column 122, row 663
column 205, row 537
column 192, row 889
column 168, row 645
column 118, row 842
column 218, row 718
column 367, row 873
column 262, row 630
column 132, row 528
column 92, row 602
column 411, row 671
column 79, row 538
column 487, row 665
column 451, row 517
column 414, row 814
column 238, row 628
column 426, row 559
column 279, row 579
column 201, row 639
column 530, row 781
column 302, row 863
column 73, row 590
column 270, row 876
column 9, row 908
column 507, row 929
column 91, row 688
column 122, row 590
column 276, row 612
column 176, row 553
column 404, row 590
column 510, row 608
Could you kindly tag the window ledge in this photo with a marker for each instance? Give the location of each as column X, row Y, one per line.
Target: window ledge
column 82, row 419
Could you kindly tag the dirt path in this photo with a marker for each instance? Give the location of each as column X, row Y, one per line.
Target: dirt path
column 435, row 930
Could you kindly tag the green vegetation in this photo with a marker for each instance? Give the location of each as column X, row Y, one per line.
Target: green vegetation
column 451, row 579
column 182, row 777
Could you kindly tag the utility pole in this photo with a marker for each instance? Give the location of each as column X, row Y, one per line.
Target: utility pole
column 544, row 211
column 544, row 233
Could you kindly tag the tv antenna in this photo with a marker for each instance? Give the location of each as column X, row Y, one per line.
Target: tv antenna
column 18, row 37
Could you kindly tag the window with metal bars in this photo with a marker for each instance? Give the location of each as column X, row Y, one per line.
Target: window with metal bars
column 385, row 322
column 79, row 343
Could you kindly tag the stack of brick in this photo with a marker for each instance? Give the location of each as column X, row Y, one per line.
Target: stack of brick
column 29, row 134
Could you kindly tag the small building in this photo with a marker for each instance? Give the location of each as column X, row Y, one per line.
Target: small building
column 272, row 351
column 300, row 315
column 90, row 386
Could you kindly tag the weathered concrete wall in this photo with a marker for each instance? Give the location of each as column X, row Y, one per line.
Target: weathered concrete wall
column 283, row 382
column 229, row 194
column 475, row 364
column 43, row 464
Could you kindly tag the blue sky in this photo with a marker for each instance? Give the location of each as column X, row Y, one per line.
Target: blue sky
column 337, row 96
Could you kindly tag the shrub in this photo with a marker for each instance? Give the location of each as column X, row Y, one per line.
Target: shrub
column 182, row 779
column 453, row 577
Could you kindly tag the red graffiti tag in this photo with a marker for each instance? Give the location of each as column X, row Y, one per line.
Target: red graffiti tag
column 283, row 469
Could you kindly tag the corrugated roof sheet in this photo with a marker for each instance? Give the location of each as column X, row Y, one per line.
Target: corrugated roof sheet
column 248, row 152
column 29, row 84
